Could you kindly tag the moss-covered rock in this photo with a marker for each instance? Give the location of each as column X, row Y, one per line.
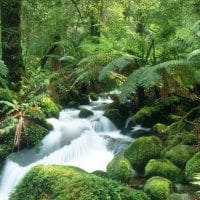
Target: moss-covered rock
column 115, row 116
column 84, row 113
column 49, row 108
column 182, row 138
column 192, row 167
column 150, row 115
column 5, row 150
column 68, row 183
column 189, row 139
column 33, row 134
column 143, row 149
column 180, row 154
column 93, row 96
column 158, row 188
column 119, row 169
column 162, row 167
column 160, row 130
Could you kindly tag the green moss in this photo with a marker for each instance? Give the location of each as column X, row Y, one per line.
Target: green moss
column 69, row 183
column 49, row 108
column 180, row 154
column 84, row 113
column 34, row 134
column 7, row 131
column 143, row 149
column 182, row 138
column 35, row 113
column 143, row 113
column 192, row 167
column 160, row 130
column 189, row 139
column 174, row 118
column 93, row 96
column 5, row 150
column 162, row 167
column 100, row 173
column 115, row 116
column 119, row 169
column 158, row 188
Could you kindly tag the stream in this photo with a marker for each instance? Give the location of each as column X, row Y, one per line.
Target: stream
column 89, row 144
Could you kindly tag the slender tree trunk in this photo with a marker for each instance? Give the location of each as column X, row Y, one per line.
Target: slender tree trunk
column 11, row 40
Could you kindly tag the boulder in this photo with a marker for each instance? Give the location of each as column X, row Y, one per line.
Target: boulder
column 119, row 168
column 115, row 116
column 84, row 113
column 143, row 149
column 158, row 188
column 192, row 167
column 180, row 154
column 163, row 168
column 68, row 183
column 93, row 96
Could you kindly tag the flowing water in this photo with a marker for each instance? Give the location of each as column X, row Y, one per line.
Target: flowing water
column 86, row 143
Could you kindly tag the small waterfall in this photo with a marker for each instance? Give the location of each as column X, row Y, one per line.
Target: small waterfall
column 78, row 142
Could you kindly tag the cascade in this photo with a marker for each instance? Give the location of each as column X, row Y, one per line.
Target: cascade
column 73, row 141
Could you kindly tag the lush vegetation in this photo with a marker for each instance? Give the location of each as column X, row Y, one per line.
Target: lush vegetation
column 54, row 54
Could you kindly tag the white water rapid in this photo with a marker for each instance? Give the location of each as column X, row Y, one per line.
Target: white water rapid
column 86, row 143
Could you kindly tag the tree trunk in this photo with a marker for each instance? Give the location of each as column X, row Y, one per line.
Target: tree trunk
column 11, row 40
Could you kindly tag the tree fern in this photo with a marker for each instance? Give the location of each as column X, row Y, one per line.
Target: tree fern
column 117, row 64
column 88, row 68
column 150, row 76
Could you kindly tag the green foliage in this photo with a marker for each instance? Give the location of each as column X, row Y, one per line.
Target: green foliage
column 67, row 183
column 163, row 168
column 3, row 73
column 49, row 107
column 5, row 150
column 119, row 168
column 180, row 154
column 118, row 63
column 158, row 188
column 143, row 149
column 149, row 77
column 192, row 167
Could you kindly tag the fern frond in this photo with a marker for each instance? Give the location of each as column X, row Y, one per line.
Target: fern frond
column 8, row 104
column 117, row 64
column 3, row 69
column 193, row 54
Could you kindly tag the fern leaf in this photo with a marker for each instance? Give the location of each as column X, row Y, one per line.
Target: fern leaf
column 3, row 69
column 193, row 54
column 117, row 64
column 8, row 104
